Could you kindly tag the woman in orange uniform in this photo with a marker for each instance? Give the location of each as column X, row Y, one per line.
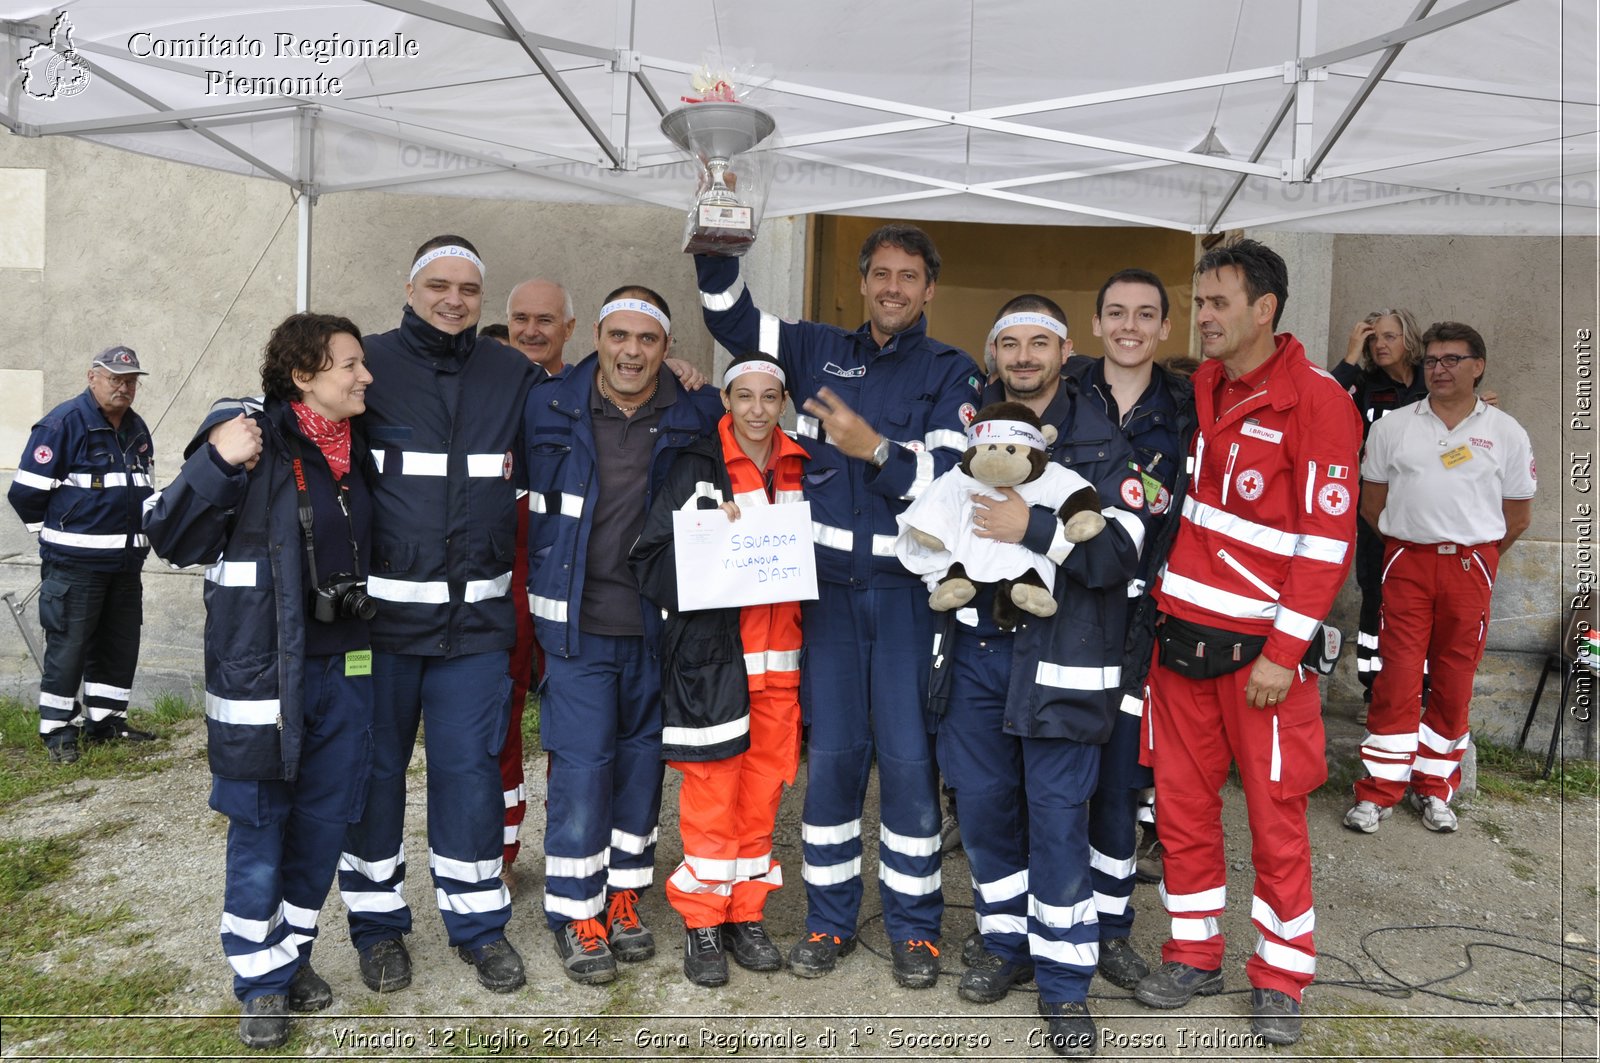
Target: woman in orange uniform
column 730, row 685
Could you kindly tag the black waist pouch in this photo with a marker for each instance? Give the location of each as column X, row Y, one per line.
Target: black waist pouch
column 1199, row 652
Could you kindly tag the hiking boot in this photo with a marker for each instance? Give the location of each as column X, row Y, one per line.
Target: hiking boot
column 992, row 977
column 949, row 833
column 1437, row 815
column 1365, row 816
column 264, row 1023
column 750, row 946
column 631, row 941
column 1069, row 1028
column 916, row 963
column 704, row 962
column 308, row 991
column 386, row 966
column 816, row 954
column 1274, row 1016
column 1120, row 964
column 972, row 949
column 63, row 746
column 499, row 966
column 584, row 953
column 1149, row 864
column 115, row 731
column 1173, row 984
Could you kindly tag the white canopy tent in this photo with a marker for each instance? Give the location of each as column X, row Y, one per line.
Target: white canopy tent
column 1469, row 117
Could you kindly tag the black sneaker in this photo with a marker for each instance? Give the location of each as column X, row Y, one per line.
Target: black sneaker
column 916, row 963
column 750, row 946
column 308, row 991
column 1120, row 964
column 1274, row 1016
column 1149, row 862
column 972, row 950
column 816, row 954
column 704, row 962
column 386, row 966
column 1069, row 1028
column 992, row 977
column 1173, row 984
column 264, row 1023
column 110, row 730
column 585, row 955
column 630, row 940
column 499, row 966
column 63, row 746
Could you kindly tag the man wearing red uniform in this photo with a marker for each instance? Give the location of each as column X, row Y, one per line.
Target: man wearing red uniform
column 1263, row 546
column 1449, row 483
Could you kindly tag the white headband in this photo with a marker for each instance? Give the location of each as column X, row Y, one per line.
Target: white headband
column 447, row 251
column 638, row 306
column 1005, row 432
column 739, row 369
column 1041, row 320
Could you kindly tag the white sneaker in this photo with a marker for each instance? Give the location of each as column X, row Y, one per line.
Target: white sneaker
column 1365, row 816
column 1436, row 814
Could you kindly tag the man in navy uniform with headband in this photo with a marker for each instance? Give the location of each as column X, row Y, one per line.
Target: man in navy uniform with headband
column 444, row 422
column 600, row 439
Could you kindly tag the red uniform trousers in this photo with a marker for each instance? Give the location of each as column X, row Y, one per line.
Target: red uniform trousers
column 1193, row 729
column 1435, row 615
column 527, row 668
column 727, row 810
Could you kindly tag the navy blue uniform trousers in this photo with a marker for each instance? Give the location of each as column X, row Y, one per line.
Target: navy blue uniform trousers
column 284, row 837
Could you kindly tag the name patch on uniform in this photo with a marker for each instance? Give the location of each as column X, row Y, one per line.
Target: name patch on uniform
column 1256, row 431
column 1452, row 458
column 358, row 662
column 848, row 374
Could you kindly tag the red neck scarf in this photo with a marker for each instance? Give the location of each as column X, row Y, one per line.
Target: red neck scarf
column 331, row 437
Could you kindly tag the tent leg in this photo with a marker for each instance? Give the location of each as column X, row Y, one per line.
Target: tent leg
column 302, row 284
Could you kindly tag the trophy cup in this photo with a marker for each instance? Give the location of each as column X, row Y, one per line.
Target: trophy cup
column 721, row 222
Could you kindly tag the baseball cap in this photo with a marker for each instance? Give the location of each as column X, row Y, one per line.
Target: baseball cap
column 118, row 359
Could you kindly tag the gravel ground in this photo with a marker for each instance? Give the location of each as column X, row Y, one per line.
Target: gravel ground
column 1501, row 915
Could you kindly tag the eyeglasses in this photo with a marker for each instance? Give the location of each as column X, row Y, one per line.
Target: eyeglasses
column 1449, row 361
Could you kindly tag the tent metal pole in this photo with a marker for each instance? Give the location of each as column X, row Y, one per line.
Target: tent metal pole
column 1521, row 139
column 307, row 128
column 1284, row 107
column 1468, row 9
column 1304, row 95
column 1368, row 86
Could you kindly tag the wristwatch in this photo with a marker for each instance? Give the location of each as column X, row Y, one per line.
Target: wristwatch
column 880, row 454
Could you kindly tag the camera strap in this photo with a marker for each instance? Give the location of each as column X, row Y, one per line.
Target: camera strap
column 303, row 503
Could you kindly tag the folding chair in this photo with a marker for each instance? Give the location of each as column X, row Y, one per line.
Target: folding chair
column 1576, row 654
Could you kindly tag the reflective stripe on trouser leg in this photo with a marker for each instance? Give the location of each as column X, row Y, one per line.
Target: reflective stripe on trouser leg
column 112, row 654
column 636, row 782
column 523, row 655
column 372, row 868
column 284, row 838
column 1369, row 577
column 983, row 765
column 465, row 703
column 1063, row 930
column 584, row 710
column 701, row 889
column 1185, row 743
column 772, row 760
column 1460, row 633
column 1113, row 830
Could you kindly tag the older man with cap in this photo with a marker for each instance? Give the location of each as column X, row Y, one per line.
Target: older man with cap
column 80, row 484
column 444, row 424
column 600, row 441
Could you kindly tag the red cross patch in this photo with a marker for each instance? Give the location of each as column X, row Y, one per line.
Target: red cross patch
column 505, row 467
column 967, row 413
column 1251, row 483
column 42, row 454
column 1163, row 499
column 1133, row 492
column 1333, row 499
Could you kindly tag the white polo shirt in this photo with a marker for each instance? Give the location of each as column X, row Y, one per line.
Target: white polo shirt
column 1446, row 485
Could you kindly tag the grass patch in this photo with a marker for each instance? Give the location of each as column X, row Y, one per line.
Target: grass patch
column 530, row 723
column 26, row 769
column 1514, row 774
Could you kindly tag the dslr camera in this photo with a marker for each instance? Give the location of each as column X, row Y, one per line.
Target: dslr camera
column 342, row 597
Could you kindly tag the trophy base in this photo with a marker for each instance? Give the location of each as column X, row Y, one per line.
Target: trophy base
column 730, row 242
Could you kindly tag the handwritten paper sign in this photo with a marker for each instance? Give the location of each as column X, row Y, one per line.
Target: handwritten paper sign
column 765, row 556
